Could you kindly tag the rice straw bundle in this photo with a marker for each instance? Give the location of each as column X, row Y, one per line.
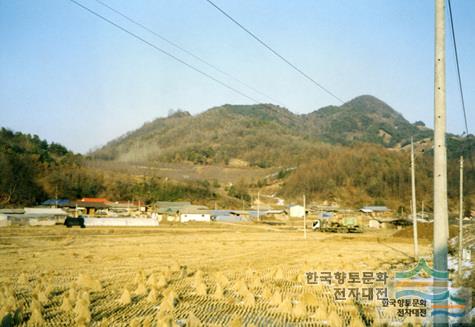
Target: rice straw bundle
column 22, row 279
column 152, row 280
column 135, row 322
column 141, row 289
column 356, row 322
column 83, row 315
column 42, row 298
column 249, row 299
column 169, row 302
column 85, row 296
column 218, row 293
column 66, row 306
column 161, row 282
column 223, row 280
column 236, row 322
column 72, row 295
column 309, row 299
column 335, row 319
column 276, row 298
column 139, row 277
column 266, row 293
column 152, row 295
column 165, row 320
column 86, row 281
column 240, row 287
column 299, row 310
column 201, row 289
column 193, row 321
column 147, row 322
column 285, row 307
column 279, row 274
column 36, row 318
column 125, row 297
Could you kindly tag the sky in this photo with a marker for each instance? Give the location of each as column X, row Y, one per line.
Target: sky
column 74, row 79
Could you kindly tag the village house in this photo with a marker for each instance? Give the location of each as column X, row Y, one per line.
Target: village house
column 296, row 211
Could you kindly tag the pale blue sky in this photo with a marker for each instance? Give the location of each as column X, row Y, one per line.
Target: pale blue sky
column 72, row 78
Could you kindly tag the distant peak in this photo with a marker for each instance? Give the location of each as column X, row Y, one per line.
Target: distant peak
column 178, row 113
column 365, row 98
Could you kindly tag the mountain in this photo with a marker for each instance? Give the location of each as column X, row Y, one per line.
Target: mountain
column 33, row 170
column 364, row 119
column 27, row 167
column 261, row 135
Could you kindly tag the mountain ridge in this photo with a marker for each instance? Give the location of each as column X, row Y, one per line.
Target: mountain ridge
column 222, row 133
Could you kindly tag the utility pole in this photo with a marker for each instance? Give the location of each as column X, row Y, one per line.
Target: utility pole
column 413, row 202
column 304, row 218
column 422, row 210
column 440, row 156
column 461, row 221
column 258, row 206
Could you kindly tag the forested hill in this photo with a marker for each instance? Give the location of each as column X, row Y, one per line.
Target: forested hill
column 31, row 170
column 364, row 119
column 263, row 134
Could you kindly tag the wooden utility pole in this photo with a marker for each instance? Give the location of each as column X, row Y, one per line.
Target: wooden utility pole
column 422, row 210
column 304, row 218
column 413, row 202
column 56, row 196
column 460, row 262
column 440, row 155
column 258, row 206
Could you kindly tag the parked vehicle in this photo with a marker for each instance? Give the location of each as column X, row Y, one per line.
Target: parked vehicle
column 337, row 225
column 72, row 221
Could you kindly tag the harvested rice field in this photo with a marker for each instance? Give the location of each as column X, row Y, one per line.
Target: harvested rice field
column 189, row 275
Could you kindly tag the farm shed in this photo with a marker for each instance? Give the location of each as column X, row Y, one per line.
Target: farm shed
column 56, row 203
column 123, row 207
column 377, row 211
column 230, row 219
column 227, row 217
column 90, row 207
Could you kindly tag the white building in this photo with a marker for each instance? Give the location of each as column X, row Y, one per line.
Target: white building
column 296, row 211
column 4, row 220
column 374, row 223
column 186, row 217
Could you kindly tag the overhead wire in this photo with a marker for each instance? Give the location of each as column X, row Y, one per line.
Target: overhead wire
column 163, row 51
column 458, row 66
column 466, row 141
column 188, row 52
column 288, row 62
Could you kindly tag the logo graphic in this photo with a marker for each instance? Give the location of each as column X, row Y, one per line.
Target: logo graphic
column 434, row 287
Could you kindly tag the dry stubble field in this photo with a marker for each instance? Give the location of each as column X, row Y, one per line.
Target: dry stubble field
column 188, row 275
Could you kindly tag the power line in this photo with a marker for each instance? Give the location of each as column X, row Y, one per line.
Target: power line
column 458, row 67
column 274, row 51
column 162, row 51
column 133, row 21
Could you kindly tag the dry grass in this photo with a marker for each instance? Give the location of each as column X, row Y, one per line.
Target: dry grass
column 211, row 275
